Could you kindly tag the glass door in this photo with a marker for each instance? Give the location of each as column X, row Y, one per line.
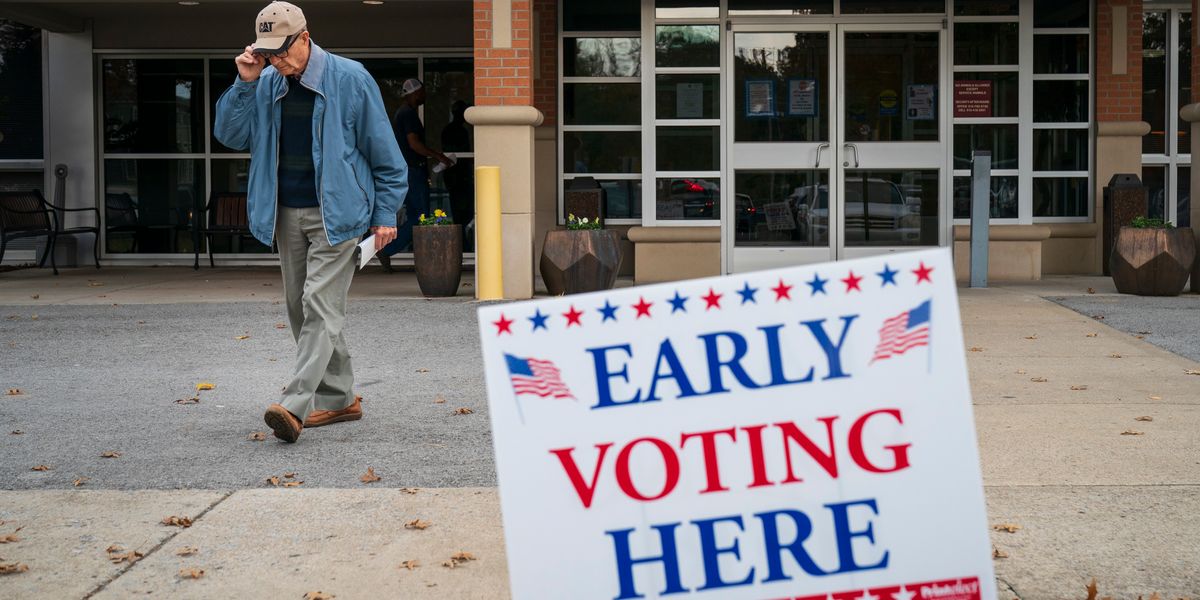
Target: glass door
column 778, row 211
column 836, row 142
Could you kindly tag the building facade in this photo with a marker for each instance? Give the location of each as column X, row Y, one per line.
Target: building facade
column 728, row 135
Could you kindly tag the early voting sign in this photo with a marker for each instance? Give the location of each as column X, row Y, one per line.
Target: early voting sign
column 796, row 433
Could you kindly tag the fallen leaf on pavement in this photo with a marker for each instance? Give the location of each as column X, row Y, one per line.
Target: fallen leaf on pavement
column 17, row 432
column 358, row 398
column 191, row 573
column 258, row 436
column 10, row 538
column 1091, row 590
column 422, row 370
column 12, row 568
column 80, row 481
column 1091, row 290
column 976, row 349
column 318, row 596
column 409, row 490
column 998, row 553
column 1078, row 388
column 110, row 455
column 1146, row 418
column 187, row 551
column 439, row 399
column 409, row 564
column 1098, row 317
column 200, row 387
column 118, row 555
column 1009, row 527
column 369, row 476
column 36, row 296
column 292, row 483
column 273, row 480
column 463, row 411
column 242, row 337
column 1021, row 371
column 1031, row 337
column 1092, row 334
column 280, row 326
column 1132, row 432
column 172, row 520
column 1145, row 332
column 41, row 468
column 14, row 392
column 1156, row 397
column 1039, row 380
column 95, row 284
column 1115, row 355
column 449, row 564
column 462, row 557
column 1192, row 372
column 417, row 524
column 192, row 400
column 289, row 475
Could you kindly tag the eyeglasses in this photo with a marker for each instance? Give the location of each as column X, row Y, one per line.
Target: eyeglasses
column 286, row 47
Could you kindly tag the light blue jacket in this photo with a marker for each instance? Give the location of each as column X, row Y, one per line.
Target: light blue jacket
column 361, row 176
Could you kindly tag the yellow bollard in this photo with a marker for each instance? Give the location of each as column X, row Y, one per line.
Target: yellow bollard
column 489, row 263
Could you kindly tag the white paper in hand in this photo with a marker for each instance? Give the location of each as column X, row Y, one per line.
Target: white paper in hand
column 367, row 248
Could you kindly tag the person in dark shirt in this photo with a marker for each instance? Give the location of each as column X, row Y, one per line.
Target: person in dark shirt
column 460, row 184
column 410, row 134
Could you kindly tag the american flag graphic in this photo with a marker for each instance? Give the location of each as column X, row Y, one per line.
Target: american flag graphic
column 904, row 332
column 538, row 377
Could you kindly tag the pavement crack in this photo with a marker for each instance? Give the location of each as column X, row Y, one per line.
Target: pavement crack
column 157, row 547
column 1005, row 586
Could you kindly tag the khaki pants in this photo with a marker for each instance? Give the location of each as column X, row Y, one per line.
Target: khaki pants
column 316, row 279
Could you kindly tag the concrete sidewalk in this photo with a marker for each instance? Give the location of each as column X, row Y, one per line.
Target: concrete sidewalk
column 1055, row 393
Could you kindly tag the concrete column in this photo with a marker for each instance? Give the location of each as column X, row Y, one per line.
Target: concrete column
column 71, row 126
column 1118, row 150
column 1191, row 114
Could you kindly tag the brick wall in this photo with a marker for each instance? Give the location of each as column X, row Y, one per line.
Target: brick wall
column 504, row 76
column 545, row 83
column 1118, row 97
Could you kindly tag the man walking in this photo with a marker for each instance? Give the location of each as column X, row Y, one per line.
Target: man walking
column 325, row 169
column 410, row 133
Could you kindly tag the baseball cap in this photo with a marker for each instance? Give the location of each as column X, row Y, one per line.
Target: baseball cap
column 276, row 26
column 410, row 85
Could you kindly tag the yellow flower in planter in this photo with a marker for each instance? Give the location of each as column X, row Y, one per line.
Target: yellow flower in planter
column 439, row 213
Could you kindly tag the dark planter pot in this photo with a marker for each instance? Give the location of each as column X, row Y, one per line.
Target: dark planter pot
column 437, row 254
column 574, row 262
column 1152, row 262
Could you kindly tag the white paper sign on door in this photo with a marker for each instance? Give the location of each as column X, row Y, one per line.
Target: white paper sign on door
column 689, row 100
column 796, row 433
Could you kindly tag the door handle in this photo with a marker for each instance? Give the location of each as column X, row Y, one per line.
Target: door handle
column 820, row 147
column 849, row 146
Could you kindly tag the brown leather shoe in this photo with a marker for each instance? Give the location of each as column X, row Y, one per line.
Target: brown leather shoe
column 318, row 418
column 285, row 425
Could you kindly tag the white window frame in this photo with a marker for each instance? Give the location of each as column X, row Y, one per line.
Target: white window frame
column 1171, row 159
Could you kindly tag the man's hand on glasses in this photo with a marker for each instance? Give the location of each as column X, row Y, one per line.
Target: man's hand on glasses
column 250, row 65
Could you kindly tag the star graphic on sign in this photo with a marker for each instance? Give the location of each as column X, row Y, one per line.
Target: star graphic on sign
column 608, row 311
column 903, row 594
column 712, row 299
column 923, row 272
column 642, row 307
column 539, row 320
column 817, row 284
column 887, row 275
column 747, row 293
column 503, row 325
column 867, row 595
column 782, row 291
column 852, row 282
column 573, row 316
column 677, row 302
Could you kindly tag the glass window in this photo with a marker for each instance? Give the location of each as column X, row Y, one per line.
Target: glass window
column 1060, row 53
column 150, row 204
column 1003, row 197
column 1060, row 149
column 891, row 208
column 781, row 208
column 221, row 75
column 389, row 74
column 1060, row 196
column 1000, row 140
column 610, row 15
column 1001, row 88
column 1060, row 101
column 1154, row 177
column 986, row 44
column 602, row 152
column 865, row 7
column 688, row 148
column 786, row 76
column 602, row 57
column 1155, row 78
column 891, row 86
column 1061, row 13
column 976, row 8
column 688, row 96
column 1184, row 45
column 153, row 105
column 1183, row 203
column 686, row 9
column 687, row 46
column 602, row 104
column 687, row 198
column 231, row 175
column 21, row 80
column 622, row 197
column 780, row 7
column 450, row 85
column 453, row 190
